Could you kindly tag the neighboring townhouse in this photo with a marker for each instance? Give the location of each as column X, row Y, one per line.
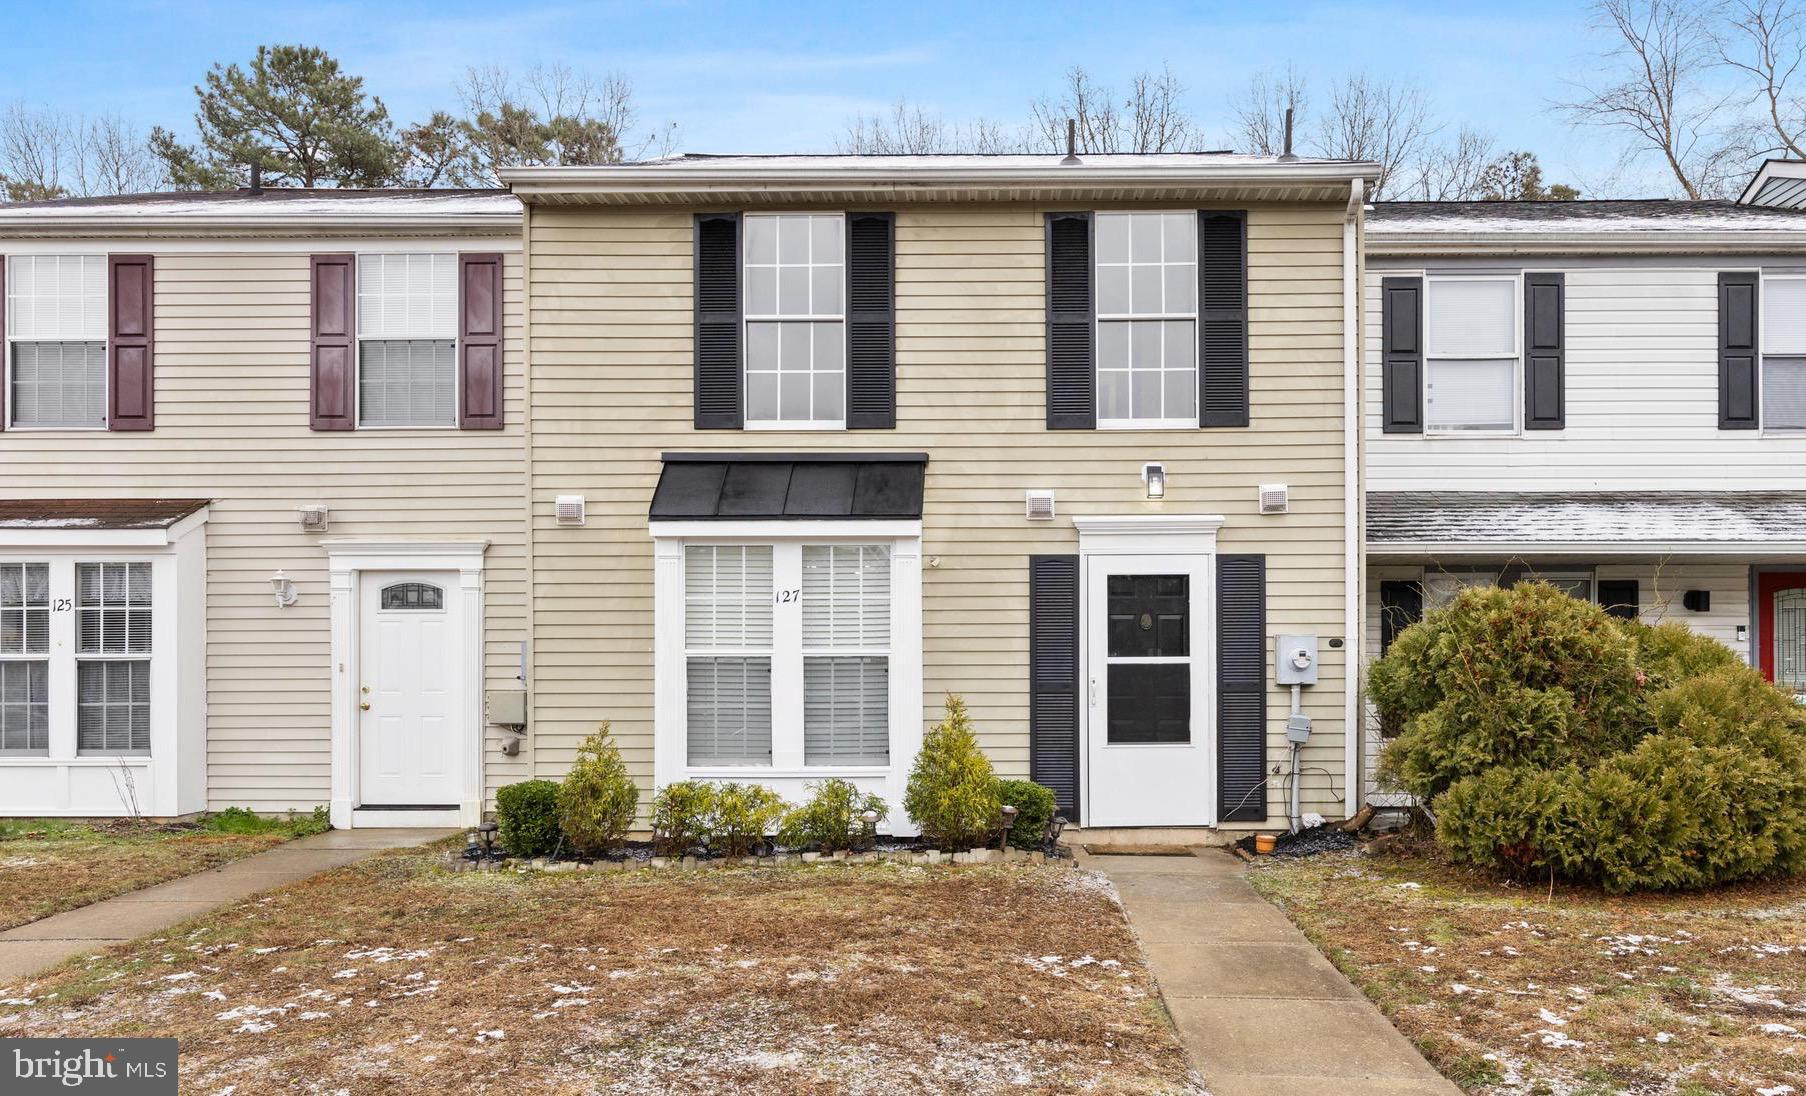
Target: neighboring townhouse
column 262, row 537
column 815, row 441
column 1610, row 395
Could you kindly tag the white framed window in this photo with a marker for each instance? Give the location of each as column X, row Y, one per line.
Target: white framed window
column 846, row 591
column 1472, row 341
column 113, row 658
column 727, row 653
column 795, row 308
column 56, row 342
column 1783, row 321
column 407, row 340
column 24, row 658
column 1442, row 586
column 1147, row 319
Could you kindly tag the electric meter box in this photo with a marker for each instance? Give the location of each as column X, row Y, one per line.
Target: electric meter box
column 1295, row 660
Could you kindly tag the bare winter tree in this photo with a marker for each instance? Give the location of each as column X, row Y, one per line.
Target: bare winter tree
column 1656, row 91
column 115, row 158
column 1261, row 112
column 1764, row 42
column 906, row 131
column 1371, row 119
column 52, row 154
column 550, row 114
column 1452, row 171
column 1150, row 119
column 1156, row 120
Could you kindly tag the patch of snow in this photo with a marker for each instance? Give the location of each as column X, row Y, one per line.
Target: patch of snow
column 491, row 1035
column 1664, row 1037
column 1548, row 1017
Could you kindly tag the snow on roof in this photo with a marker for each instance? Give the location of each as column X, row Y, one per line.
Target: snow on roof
column 1403, row 519
column 95, row 513
column 274, row 203
column 803, row 163
column 1652, row 215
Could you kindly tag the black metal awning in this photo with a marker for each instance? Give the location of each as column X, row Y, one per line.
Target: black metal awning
column 789, row 486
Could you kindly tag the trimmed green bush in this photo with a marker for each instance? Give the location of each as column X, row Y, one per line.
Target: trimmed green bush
column 683, row 816
column 1034, row 805
column 952, row 792
column 832, row 819
column 526, row 818
column 597, row 800
column 744, row 813
column 1664, row 762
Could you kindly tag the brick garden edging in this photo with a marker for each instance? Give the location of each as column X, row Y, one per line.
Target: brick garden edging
column 899, row 856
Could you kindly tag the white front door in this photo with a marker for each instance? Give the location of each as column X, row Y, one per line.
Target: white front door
column 410, row 736
column 1149, row 660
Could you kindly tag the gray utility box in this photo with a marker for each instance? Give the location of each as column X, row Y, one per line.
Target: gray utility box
column 505, row 707
column 1295, row 660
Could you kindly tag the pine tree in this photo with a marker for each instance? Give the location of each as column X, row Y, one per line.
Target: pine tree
column 295, row 115
column 952, row 792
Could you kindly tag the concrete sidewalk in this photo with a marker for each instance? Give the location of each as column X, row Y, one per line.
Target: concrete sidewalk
column 30, row 949
column 1260, row 1010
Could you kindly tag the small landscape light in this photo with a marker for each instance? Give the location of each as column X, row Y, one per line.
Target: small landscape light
column 870, row 818
column 1009, row 819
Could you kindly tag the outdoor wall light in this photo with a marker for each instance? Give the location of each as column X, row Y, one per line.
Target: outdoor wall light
column 1154, row 475
column 286, row 594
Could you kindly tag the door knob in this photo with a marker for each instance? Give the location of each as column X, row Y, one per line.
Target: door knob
column 364, row 706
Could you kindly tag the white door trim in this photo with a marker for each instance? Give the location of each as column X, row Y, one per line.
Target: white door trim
column 347, row 559
column 1149, row 535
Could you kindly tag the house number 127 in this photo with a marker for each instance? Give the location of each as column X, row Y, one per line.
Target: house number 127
column 784, row 597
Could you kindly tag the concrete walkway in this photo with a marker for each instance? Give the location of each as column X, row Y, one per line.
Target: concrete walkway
column 40, row 945
column 1260, row 1010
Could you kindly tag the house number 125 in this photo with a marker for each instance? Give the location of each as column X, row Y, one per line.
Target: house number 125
column 61, row 605
column 784, row 597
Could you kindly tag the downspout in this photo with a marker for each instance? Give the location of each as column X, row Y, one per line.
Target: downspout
column 1352, row 508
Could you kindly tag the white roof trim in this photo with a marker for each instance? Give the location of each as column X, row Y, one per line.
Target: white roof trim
column 1627, row 242
column 1771, row 169
column 1545, row 548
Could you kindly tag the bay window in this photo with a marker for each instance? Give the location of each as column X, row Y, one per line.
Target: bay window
column 1471, row 351
column 1784, row 352
column 407, row 327
column 1147, row 319
column 56, row 341
column 796, row 358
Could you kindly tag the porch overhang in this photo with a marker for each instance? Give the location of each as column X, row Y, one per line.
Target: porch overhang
column 1585, row 525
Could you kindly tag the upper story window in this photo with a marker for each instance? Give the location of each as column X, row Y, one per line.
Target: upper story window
column 407, row 332
column 1147, row 319
column 796, row 360
column 1784, row 352
column 1471, row 334
column 56, row 336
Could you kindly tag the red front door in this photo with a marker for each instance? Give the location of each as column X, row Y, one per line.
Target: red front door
column 1781, row 623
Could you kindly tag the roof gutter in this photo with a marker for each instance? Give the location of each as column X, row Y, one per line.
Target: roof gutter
column 1384, row 244
column 139, row 225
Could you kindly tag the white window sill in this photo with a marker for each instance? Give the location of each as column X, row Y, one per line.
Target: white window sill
column 794, row 425
column 1431, row 433
column 1147, row 424
column 362, row 428
column 93, row 761
column 15, row 427
column 766, row 772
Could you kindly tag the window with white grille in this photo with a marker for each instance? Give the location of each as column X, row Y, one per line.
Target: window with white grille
column 407, row 326
column 846, row 654
column 113, row 648
column 24, row 658
column 1147, row 319
column 56, row 341
column 1783, row 318
column 1471, row 354
column 727, row 653
column 796, row 358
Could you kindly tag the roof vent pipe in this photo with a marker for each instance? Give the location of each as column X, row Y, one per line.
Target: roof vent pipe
column 1072, row 144
column 1288, row 155
column 256, row 186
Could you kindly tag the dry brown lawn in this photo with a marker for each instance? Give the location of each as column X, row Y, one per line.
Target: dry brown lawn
column 395, row 976
column 1508, row 990
column 47, row 866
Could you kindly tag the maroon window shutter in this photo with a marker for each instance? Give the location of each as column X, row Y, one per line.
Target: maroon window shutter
column 131, row 388
column 333, row 374
column 480, row 342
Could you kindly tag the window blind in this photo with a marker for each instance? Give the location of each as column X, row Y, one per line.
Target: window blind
column 1471, row 317
column 846, row 695
column 727, row 640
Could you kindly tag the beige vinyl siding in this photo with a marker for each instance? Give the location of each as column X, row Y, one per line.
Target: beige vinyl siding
column 232, row 426
column 612, row 384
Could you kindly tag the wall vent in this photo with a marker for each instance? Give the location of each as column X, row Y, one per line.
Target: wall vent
column 1274, row 498
column 1040, row 506
column 314, row 519
column 569, row 509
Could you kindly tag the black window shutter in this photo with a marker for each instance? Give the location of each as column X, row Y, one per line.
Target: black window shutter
column 1223, row 312
column 1241, row 688
column 1053, row 671
column 1071, row 316
column 1620, row 596
column 718, row 380
column 1401, row 605
column 1545, row 357
column 1737, row 361
column 871, row 321
column 1401, row 355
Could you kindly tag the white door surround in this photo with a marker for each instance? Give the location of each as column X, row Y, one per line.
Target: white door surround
column 354, row 564
column 1150, row 783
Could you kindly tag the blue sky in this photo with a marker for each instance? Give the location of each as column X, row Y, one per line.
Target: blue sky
column 766, row 76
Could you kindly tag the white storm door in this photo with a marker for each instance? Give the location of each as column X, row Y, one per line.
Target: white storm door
column 1149, row 658
column 409, row 724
